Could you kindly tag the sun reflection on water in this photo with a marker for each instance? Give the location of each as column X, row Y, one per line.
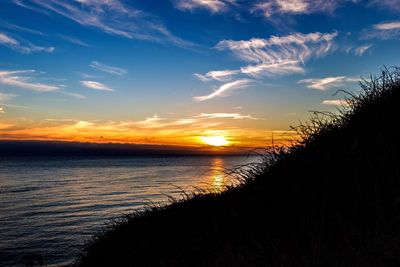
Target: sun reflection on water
column 218, row 176
column 71, row 198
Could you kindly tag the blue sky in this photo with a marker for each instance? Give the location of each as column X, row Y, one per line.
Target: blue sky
column 172, row 71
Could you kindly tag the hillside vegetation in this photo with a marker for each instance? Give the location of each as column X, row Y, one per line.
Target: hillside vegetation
column 333, row 199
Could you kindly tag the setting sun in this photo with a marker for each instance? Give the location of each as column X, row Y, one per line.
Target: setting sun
column 215, row 140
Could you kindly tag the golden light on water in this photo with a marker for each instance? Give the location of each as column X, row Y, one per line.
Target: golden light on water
column 218, row 181
column 216, row 140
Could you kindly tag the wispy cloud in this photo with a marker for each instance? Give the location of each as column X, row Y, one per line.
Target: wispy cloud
column 280, row 55
column 235, row 116
column 16, row 106
column 153, row 122
column 392, row 5
column 2, row 110
column 384, row 30
column 225, row 89
column 76, row 95
column 6, row 96
column 157, row 122
column 273, row 7
column 96, row 86
column 334, row 102
column 267, row 8
column 327, row 82
column 270, row 69
column 202, row 119
column 219, row 75
column 86, row 76
column 277, row 55
column 25, row 79
column 7, row 40
column 387, row 26
column 28, row 79
column 214, row 6
column 73, row 40
column 111, row 17
column 24, row 47
column 297, row 46
column 109, row 69
column 19, row 28
column 153, row 130
column 359, row 51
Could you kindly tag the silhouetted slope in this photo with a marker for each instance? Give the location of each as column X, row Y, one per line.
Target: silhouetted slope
column 332, row 200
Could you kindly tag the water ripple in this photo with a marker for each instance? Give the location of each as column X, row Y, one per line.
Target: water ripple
column 49, row 207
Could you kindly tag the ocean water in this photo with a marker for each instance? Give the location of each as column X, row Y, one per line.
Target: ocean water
column 50, row 207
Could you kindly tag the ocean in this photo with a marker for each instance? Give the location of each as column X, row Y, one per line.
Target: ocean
column 49, row 207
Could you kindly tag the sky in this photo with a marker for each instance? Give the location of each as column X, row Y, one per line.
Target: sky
column 180, row 72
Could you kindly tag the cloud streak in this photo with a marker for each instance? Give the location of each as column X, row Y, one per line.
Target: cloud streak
column 24, row 79
column 109, row 69
column 225, row 89
column 392, row 5
column 25, row 47
column 277, row 55
column 15, row 27
column 267, row 8
column 111, row 17
column 96, row 86
column 219, row 75
column 383, row 30
column 271, row 69
column 73, row 40
column 395, row 25
column 203, row 119
column 326, row 83
column 359, row 51
column 235, row 116
column 6, row 96
column 153, row 130
column 297, row 46
column 334, row 102
column 214, row 6
column 270, row 8
column 76, row 95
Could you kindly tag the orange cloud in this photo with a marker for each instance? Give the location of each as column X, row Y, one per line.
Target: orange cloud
column 154, row 130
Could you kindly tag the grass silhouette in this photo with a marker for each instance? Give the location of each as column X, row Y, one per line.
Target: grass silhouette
column 333, row 199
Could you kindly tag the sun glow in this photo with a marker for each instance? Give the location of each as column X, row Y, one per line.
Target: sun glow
column 215, row 140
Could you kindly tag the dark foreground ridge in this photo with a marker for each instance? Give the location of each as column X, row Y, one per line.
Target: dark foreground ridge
column 331, row 200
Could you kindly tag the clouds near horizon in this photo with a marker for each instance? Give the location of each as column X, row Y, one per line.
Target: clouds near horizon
column 205, row 66
column 235, row 116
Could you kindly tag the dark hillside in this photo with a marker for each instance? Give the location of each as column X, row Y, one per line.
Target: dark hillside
column 331, row 200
